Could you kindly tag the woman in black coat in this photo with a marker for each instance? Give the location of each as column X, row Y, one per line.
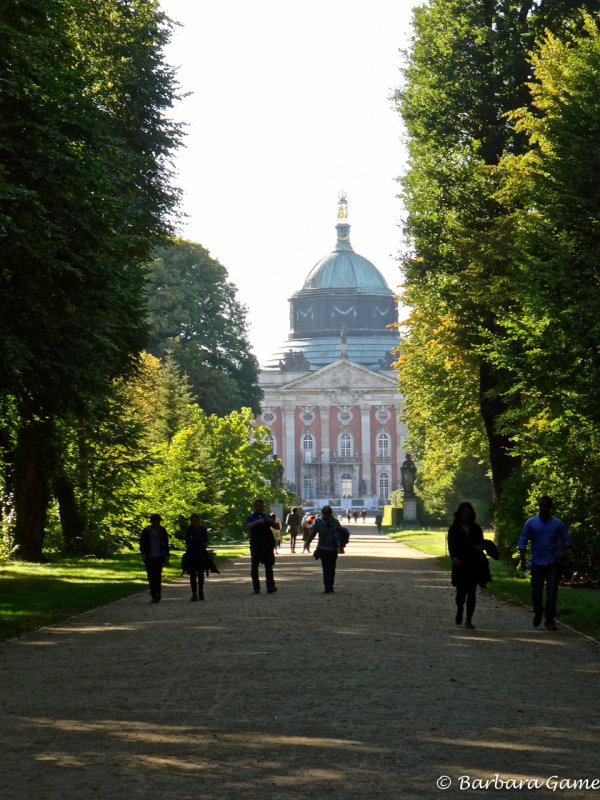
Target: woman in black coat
column 469, row 564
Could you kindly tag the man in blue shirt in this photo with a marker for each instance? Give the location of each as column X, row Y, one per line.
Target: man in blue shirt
column 545, row 532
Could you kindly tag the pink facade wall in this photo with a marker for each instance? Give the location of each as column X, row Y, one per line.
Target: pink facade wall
column 335, row 427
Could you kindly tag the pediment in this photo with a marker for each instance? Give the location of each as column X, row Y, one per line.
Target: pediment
column 343, row 376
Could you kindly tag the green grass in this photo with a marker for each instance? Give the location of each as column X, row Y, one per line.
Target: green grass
column 35, row 595
column 578, row 606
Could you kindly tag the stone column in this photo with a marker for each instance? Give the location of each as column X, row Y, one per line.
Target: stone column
column 290, row 447
column 400, row 454
column 324, row 412
column 365, row 435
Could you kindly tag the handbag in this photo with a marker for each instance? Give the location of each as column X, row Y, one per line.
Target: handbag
column 185, row 563
column 562, row 559
column 317, row 553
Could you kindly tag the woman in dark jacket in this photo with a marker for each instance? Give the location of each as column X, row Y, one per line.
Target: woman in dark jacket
column 197, row 559
column 469, row 564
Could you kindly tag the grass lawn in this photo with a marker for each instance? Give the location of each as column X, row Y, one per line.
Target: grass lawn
column 34, row 595
column 578, row 606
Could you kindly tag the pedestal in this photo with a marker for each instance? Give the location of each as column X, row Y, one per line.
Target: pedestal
column 409, row 509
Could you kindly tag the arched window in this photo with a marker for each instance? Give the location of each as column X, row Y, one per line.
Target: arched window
column 271, row 441
column 308, row 444
column 384, row 486
column 345, row 445
column 383, row 446
column 346, row 486
column 308, row 487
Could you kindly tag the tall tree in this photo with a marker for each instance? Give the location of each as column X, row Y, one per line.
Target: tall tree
column 84, row 181
column 549, row 339
column 194, row 314
column 467, row 69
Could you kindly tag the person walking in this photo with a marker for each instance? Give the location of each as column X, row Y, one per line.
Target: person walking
column 363, row 515
column 545, row 533
column 196, row 557
column 378, row 521
column 292, row 526
column 330, row 532
column 262, row 545
column 154, row 547
column 469, row 564
column 308, row 520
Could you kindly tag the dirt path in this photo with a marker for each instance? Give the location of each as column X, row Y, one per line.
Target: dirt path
column 371, row 692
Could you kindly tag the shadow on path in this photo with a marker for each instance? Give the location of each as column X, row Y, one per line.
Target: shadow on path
column 371, row 692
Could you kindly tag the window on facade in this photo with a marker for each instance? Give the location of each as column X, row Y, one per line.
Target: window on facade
column 384, row 486
column 345, row 445
column 308, row 442
column 383, row 446
column 346, row 485
column 271, row 442
column 307, row 487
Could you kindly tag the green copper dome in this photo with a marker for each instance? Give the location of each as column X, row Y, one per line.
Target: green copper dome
column 344, row 310
column 345, row 269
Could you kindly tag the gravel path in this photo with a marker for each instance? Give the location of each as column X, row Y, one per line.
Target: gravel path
column 370, row 692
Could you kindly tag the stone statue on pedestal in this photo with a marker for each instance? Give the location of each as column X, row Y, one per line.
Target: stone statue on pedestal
column 408, row 470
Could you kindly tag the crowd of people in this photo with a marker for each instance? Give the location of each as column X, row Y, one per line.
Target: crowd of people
column 467, row 547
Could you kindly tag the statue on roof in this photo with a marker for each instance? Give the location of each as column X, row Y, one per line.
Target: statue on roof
column 294, row 362
column 388, row 361
column 342, row 206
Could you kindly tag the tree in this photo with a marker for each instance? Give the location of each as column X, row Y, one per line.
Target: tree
column 245, row 466
column 194, row 314
column 549, row 339
column 468, row 68
column 443, row 417
column 84, row 181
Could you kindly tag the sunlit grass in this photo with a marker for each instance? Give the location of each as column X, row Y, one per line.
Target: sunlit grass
column 35, row 595
column 578, row 606
column 431, row 542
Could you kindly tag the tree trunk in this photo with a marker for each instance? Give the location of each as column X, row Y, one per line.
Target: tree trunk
column 492, row 406
column 72, row 522
column 32, row 487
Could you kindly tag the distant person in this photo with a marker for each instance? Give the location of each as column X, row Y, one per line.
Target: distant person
column 349, row 515
column 363, row 515
column 154, row 547
column 308, row 520
column 292, row 526
column 262, row 545
column 329, row 531
column 469, row 564
column 197, row 560
column 378, row 521
column 545, row 533
column 276, row 531
column 355, row 515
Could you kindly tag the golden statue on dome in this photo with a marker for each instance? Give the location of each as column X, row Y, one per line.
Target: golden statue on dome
column 342, row 205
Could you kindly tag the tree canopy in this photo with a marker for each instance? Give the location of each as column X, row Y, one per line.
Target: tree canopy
column 85, row 191
column 195, row 315
column 500, row 104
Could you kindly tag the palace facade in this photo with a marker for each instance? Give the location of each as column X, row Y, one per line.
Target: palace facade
column 331, row 399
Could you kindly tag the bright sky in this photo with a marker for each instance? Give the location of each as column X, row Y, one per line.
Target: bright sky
column 289, row 104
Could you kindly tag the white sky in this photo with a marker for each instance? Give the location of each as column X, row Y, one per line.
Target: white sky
column 289, row 104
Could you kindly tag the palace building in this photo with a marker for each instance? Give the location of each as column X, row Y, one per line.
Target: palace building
column 331, row 399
